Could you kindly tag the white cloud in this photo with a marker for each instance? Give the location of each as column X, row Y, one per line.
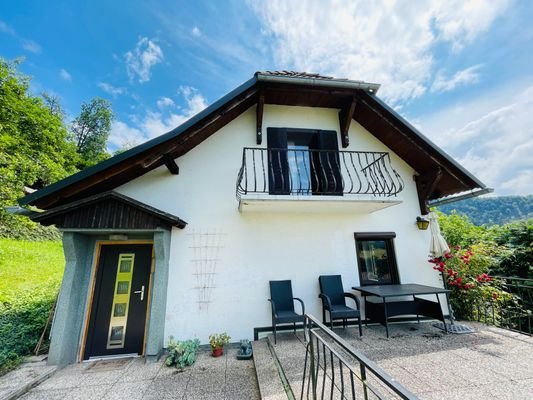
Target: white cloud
column 164, row 102
column 31, row 46
column 141, row 60
column 155, row 123
column 26, row 44
column 110, row 89
column 460, row 78
column 460, row 22
column 65, row 75
column 196, row 32
column 392, row 43
column 5, row 28
column 491, row 137
column 123, row 136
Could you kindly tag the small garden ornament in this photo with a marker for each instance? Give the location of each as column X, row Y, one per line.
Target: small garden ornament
column 245, row 351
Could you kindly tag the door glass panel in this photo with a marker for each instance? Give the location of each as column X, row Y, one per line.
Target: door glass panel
column 299, row 167
column 121, row 300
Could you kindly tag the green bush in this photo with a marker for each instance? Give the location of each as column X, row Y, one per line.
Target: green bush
column 21, row 324
column 181, row 354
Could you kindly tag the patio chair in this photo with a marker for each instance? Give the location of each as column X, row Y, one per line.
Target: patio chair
column 282, row 304
column 333, row 300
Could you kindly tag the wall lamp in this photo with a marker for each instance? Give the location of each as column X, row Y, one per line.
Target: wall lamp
column 422, row 223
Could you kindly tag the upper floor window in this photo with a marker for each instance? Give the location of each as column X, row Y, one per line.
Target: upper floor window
column 303, row 162
column 376, row 258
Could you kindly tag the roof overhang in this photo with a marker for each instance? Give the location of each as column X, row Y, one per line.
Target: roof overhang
column 281, row 89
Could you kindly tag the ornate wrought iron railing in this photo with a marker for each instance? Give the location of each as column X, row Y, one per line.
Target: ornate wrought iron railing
column 515, row 314
column 317, row 172
column 335, row 370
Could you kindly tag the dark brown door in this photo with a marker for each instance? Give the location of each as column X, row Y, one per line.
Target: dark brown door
column 118, row 310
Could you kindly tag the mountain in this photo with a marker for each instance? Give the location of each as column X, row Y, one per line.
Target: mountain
column 493, row 210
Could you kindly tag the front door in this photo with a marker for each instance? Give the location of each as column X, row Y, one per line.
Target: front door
column 118, row 310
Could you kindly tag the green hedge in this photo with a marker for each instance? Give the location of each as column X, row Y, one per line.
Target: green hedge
column 30, row 275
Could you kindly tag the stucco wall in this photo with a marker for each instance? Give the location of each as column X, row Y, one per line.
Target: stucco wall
column 246, row 250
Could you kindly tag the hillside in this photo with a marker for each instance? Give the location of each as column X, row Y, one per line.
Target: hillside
column 493, row 210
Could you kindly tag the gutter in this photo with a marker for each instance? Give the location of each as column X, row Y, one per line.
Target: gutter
column 18, row 210
column 469, row 195
column 333, row 83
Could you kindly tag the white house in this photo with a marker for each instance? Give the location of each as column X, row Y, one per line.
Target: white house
column 289, row 176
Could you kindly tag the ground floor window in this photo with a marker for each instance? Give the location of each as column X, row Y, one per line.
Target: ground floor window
column 376, row 258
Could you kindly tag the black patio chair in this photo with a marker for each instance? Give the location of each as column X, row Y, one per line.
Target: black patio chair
column 334, row 301
column 282, row 304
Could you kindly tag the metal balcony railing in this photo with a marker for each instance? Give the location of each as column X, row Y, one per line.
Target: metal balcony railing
column 335, row 370
column 317, row 172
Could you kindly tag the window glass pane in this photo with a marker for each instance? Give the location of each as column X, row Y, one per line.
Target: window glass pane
column 375, row 262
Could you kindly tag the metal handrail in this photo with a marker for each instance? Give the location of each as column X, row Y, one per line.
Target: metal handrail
column 320, row 351
column 317, row 172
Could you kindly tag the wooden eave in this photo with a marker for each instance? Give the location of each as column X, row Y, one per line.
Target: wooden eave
column 108, row 210
column 368, row 110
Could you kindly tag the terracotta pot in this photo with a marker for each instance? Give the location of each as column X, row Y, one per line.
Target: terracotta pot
column 217, row 352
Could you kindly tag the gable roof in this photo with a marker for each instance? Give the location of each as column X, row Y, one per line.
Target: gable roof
column 277, row 87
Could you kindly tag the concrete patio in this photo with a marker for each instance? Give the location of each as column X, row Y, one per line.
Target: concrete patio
column 491, row 363
column 132, row 379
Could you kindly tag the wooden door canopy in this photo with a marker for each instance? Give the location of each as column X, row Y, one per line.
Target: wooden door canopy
column 109, row 210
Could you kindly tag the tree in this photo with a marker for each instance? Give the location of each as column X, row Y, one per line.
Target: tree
column 90, row 131
column 34, row 150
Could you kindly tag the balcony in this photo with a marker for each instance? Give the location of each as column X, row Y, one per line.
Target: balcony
column 313, row 180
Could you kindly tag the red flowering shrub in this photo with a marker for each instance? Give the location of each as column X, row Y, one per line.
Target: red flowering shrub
column 472, row 290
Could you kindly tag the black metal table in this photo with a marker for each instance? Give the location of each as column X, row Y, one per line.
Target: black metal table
column 381, row 311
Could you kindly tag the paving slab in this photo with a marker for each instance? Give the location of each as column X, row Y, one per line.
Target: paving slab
column 26, row 376
column 134, row 379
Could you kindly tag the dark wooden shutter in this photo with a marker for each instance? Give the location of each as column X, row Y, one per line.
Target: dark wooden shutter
column 278, row 167
column 328, row 168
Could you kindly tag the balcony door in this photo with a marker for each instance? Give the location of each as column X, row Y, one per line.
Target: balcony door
column 303, row 162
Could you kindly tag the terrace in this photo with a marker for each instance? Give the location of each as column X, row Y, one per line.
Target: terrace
column 428, row 363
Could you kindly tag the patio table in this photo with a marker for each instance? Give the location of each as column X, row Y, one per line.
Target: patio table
column 382, row 311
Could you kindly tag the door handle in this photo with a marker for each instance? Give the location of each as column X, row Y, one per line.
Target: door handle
column 141, row 292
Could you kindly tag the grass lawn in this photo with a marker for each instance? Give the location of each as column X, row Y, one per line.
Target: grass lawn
column 30, row 275
column 27, row 265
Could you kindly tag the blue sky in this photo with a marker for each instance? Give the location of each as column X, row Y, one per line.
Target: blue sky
column 458, row 70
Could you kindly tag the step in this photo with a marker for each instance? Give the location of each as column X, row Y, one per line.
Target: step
column 268, row 371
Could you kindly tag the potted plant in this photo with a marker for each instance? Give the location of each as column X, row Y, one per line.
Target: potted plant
column 217, row 342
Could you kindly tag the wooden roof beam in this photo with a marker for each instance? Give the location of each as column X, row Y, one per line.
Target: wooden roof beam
column 171, row 165
column 259, row 117
column 425, row 186
column 345, row 118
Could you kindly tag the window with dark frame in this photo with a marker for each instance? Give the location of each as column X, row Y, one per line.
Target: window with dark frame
column 376, row 258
